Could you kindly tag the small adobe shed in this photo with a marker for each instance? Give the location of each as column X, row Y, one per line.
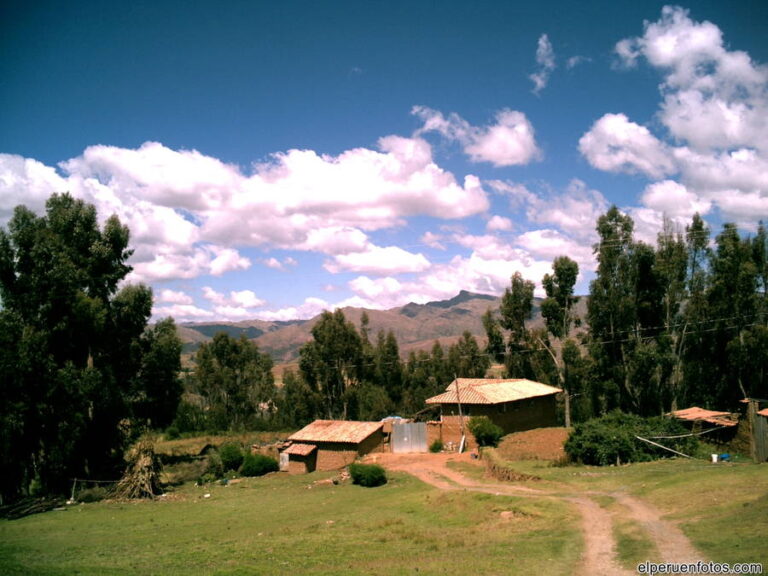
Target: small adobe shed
column 512, row 404
column 720, row 427
column 330, row 445
column 706, row 417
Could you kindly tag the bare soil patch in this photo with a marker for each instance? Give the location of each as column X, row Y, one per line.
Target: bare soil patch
column 538, row 444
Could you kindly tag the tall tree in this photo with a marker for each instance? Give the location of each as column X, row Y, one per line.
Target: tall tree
column 77, row 341
column 332, row 362
column 157, row 386
column 236, row 380
column 297, row 404
column 695, row 354
column 465, row 358
column 388, row 366
column 624, row 309
column 557, row 310
column 495, row 346
column 734, row 304
column 671, row 269
column 516, row 308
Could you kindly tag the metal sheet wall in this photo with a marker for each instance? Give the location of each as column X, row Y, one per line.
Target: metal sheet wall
column 410, row 437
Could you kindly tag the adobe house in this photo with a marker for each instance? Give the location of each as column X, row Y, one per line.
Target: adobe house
column 512, row 404
column 329, row 445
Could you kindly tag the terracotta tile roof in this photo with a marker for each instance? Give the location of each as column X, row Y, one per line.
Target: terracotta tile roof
column 492, row 391
column 298, row 449
column 336, row 431
column 694, row 413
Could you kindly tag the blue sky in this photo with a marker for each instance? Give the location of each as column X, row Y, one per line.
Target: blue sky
column 274, row 159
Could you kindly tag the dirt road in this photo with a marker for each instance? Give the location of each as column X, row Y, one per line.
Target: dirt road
column 599, row 556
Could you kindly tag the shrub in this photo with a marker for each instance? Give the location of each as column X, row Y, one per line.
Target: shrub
column 231, row 456
column 611, row 439
column 172, row 433
column 368, row 475
column 214, row 467
column 93, row 494
column 258, row 465
column 436, row 446
column 485, row 432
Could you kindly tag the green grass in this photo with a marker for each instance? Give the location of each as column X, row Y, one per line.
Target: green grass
column 283, row 524
column 722, row 508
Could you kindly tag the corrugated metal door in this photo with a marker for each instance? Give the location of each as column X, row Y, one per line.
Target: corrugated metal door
column 410, row 437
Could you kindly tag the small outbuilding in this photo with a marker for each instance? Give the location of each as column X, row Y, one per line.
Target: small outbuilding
column 512, row 404
column 329, row 445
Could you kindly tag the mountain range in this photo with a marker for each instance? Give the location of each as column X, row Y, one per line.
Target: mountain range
column 416, row 326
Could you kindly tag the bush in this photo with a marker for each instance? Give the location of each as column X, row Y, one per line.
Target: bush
column 368, row 475
column 436, row 446
column 231, row 456
column 611, row 439
column 172, row 433
column 485, row 432
column 214, row 467
column 93, row 494
column 258, row 465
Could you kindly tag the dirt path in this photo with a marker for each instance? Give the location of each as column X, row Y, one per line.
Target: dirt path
column 599, row 557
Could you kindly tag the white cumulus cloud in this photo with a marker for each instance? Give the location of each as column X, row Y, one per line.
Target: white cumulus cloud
column 510, row 141
column 616, row 144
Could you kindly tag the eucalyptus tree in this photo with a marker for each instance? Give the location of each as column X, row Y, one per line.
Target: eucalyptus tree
column 737, row 318
column 235, row 379
column 516, row 309
column 73, row 352
column 624, row 311
column 557, row 310
column 332, row 363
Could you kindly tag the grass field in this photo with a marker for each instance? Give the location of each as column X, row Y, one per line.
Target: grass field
column 722, row 508
column 282, row 524
column 287, row 525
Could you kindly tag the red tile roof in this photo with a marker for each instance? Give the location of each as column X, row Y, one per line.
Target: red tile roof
column 491, row 391
column 694, row 413
column 299, row 449
column 336, row 431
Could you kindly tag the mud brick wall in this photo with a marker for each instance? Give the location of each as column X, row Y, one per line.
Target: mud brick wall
column 511, row 417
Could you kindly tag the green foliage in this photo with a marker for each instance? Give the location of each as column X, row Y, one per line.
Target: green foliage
column 485, row 432
column 297, row 404
column 159, row 386
column 190, row 417
column 93, row 494
column 611, row 439
column 258, row 465
column 214, row 466
column 332, row 362
column 231, row 455
column 436, row 447
column 559, row 286
column 76, row 359
column 495, row 339
column 368, row 475
column 466, row 360
column 373, row 402
column 234, row 380
column 172, row 433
